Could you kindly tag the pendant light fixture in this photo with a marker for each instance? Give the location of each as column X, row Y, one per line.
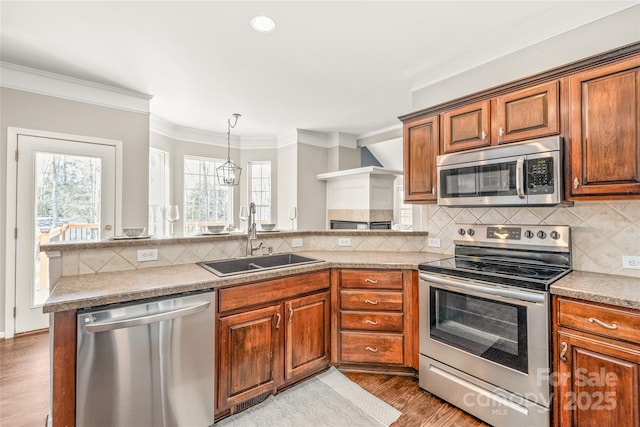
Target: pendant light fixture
column 229, row 173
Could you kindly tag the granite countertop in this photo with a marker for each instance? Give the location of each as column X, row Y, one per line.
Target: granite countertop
column 622, row 291
column 92, row 290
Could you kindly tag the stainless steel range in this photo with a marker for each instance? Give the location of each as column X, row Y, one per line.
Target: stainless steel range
column 485, row 321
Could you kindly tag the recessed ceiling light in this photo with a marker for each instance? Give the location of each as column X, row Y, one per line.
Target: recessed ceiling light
column 263, row 24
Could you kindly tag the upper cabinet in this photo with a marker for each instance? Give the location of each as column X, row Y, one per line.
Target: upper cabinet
column 605, row 130
column 515, row 116
column 421, row 139
column 466, row 127
column 593, row 104
column 527, row 114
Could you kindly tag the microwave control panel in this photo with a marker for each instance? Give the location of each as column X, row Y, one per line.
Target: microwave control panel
column 539, row 174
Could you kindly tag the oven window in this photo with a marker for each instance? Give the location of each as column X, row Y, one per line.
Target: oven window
column 492, row 330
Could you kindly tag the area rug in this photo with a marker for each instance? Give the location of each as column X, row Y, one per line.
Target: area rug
column 326, row 400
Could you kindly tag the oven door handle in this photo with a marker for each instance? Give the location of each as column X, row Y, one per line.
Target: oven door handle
column 482, row 290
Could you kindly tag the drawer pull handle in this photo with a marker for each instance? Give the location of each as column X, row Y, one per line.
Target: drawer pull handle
column 372, row 350
column 603, row 324
column 368, row 301
column 371, row 322
column 563, row 353
column 368, row 280
column 278, row 321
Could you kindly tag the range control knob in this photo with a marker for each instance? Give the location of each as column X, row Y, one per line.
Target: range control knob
column 471, row 232
column 461, row 232
column 541, row 234
column 528, row 234
column 554, row 235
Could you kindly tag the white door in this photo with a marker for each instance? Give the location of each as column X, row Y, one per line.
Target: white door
column 65, row 191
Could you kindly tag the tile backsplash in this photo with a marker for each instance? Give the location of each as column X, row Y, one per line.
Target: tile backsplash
column 601, row 232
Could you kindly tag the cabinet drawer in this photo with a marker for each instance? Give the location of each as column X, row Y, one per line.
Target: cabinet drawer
column 609, row 321
column 374, row 321
column 391, row 279
column 367, row 347
column 370, row 300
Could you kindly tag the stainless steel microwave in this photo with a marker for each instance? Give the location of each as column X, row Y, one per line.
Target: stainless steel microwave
column 524, row 173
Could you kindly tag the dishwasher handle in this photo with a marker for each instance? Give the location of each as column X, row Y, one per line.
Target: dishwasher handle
column 110, row 325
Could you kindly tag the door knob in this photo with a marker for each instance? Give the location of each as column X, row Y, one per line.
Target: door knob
column 107, row 227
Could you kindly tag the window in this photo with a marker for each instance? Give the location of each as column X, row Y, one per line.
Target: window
column 158, row 190
column 205, row 202
column 403, row 214
column 260, row 189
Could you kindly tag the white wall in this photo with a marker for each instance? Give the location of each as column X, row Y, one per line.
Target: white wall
column 46, row 113
column 287, row 183
column 614, row 31
column 312, row 192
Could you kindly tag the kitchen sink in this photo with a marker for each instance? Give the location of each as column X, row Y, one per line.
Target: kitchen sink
column 229, row 267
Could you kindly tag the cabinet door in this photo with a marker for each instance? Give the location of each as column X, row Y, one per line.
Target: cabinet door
column 605, row 130
column 528, row 113
column 421, row 139
column 466, row 127
column 308, row 335
column 597, row 382
column 248, row 355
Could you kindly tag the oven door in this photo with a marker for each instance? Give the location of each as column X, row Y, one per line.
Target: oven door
column 499, row 334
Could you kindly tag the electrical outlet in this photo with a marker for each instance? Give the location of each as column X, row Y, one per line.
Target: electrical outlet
column 296, row 243
column 433, row 242
column 344, row 241
column 147, row 255
column 632, row 262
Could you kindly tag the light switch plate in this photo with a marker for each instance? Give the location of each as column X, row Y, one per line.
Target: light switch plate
column 344, row 241
column 296, row 243
column 147, row 255
column 433, row 242
column 632, row 262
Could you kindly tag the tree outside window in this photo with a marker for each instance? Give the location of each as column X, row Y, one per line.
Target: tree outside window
column 206, row 202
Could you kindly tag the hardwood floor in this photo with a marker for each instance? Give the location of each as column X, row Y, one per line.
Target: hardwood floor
column 24, row 390
column 24, row 380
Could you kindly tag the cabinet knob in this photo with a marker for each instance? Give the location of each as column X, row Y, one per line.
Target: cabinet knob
column 484, row 135
column 501, row 131
column 563, row 353
column 576, row 183
column 290, row 315
column 372, row 350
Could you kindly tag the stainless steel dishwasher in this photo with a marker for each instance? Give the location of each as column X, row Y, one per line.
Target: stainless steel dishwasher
column 147, row 364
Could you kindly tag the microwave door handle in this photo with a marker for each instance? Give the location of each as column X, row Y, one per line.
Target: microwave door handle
column 520, row 177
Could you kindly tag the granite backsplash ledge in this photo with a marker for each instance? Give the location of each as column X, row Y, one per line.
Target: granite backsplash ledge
column 71, row 259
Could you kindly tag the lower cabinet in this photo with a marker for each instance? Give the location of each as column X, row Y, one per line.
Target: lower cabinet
column 597, row 359
column 271, row 346
column 376, row 320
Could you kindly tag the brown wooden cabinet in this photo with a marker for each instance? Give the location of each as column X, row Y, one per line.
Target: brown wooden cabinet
column 605, row 130
column 597, row 364
column 271, row 334
column 515, row 116
column 376, row 321
column 421, row 141
column 466, row 127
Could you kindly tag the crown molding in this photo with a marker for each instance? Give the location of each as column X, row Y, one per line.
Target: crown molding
column 18, row 77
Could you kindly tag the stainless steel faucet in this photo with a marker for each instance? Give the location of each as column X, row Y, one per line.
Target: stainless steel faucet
column 251, row 232
column 251, row 228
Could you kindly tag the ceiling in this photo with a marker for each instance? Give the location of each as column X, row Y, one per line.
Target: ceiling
column 330, row 66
